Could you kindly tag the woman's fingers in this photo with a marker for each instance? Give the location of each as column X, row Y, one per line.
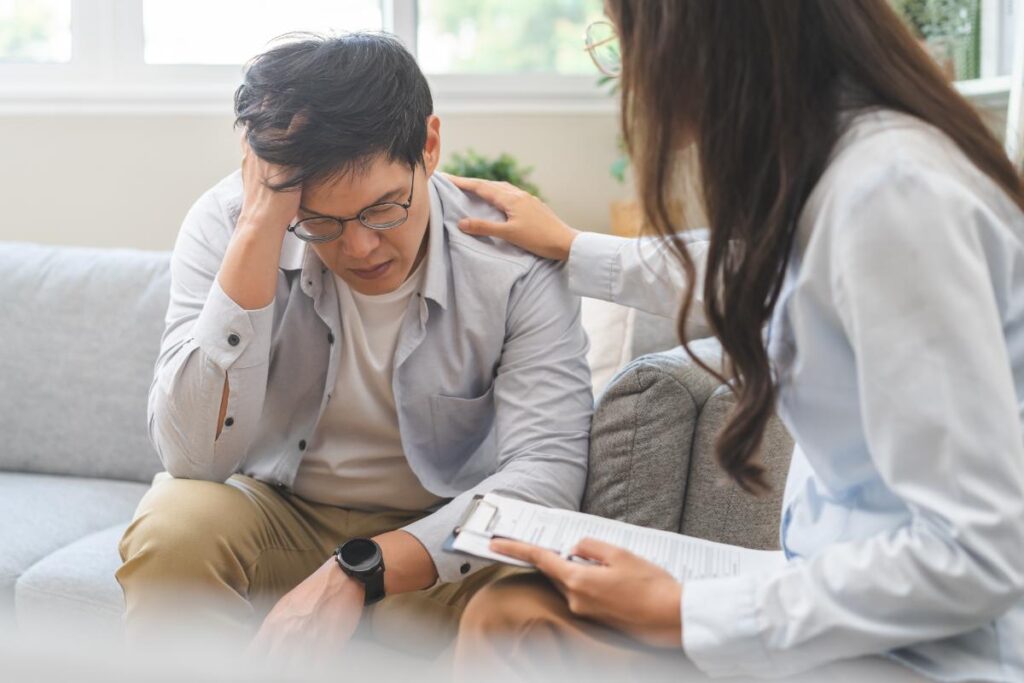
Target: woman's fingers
column 545, row 560
column 494, row 193
column 519, row 550
column 478, row 226
column 530, row 224
column 464, row 183
column 593, row 549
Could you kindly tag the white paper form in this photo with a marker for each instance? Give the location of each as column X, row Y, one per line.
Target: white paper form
column 685, row 557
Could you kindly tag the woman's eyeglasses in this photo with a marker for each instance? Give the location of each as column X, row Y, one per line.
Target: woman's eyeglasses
column 602, row 44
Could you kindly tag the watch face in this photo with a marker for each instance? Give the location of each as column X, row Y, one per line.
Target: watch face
column 360, row 555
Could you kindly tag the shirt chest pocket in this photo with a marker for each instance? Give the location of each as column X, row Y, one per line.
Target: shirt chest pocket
column 460, row 425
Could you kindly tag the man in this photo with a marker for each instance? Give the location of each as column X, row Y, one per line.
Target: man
column 341, row 365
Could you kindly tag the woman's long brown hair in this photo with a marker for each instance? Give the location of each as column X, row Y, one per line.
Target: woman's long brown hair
column 758, row 87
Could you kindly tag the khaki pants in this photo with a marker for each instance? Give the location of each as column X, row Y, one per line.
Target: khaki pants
column 520, row 629
column 208, row 561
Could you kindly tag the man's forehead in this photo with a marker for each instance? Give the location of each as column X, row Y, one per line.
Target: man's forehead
column 358, row 187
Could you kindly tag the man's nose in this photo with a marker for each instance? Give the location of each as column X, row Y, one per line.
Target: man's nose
column 358, row 241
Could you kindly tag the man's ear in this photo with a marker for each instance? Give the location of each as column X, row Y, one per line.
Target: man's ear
column 432, row 150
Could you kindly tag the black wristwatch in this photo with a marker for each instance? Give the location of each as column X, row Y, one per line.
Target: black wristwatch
column 362, row 559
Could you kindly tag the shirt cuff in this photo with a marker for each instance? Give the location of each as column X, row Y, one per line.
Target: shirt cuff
column 433, row 530
column 592, row 260
column 231, row 336
column 721, row 628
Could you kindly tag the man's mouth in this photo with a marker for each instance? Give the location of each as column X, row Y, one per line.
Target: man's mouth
column 372, row 273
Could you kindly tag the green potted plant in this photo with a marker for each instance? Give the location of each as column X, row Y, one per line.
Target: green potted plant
column 950, row 30
column 503, row 167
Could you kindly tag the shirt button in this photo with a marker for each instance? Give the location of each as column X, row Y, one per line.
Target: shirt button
column 302, row 445
column 228, row 422
column 233, row 339
column 464, row 569
column 330, row 337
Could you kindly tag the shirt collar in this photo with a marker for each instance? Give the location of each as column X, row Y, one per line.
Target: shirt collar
column 435, row 282
column 296, row 255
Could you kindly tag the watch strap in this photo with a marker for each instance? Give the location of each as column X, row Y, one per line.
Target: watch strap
column 374, row 585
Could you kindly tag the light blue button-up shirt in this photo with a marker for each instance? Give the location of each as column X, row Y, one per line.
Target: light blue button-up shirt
column 899, row 347
column 491, row 383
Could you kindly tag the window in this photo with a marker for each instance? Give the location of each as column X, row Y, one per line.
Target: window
column 996, row 24
column 478, row 54
column 970, row 39
column 35, row 31
column 498, row 36
column 232, row 31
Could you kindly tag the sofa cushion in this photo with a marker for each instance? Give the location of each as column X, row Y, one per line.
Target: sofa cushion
column 80, row 331
column 609, row 329
column 74, row 585
column 641, row 438
column 42, row 514
column 652, row 457
column 718, row 509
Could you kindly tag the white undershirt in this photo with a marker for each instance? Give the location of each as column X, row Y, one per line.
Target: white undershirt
column 356, row 459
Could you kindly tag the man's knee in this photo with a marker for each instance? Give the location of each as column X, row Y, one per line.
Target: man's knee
column 182, row 518
column 515, row 604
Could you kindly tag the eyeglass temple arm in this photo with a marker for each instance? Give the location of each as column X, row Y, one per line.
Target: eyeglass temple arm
column 590, row 46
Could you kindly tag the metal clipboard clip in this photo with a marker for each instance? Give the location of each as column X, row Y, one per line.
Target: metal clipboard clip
column 478, row 504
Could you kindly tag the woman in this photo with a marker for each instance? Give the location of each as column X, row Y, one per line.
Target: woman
column 865, row 275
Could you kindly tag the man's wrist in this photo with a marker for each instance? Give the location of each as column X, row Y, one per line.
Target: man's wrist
column 341, row 577
column 253, row 227
column 409, row 566
column 566, row 248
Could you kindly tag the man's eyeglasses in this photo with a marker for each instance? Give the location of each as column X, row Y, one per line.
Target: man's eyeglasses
column 381, row 216
column 602, row 44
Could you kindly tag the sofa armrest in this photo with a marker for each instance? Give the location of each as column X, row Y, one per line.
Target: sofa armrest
column 715, row 507
column 652, row 456
column 641, row 437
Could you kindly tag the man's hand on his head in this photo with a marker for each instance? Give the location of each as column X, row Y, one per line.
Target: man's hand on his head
column 263, row 208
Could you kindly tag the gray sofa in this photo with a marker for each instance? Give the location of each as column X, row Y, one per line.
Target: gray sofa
column 79, row 331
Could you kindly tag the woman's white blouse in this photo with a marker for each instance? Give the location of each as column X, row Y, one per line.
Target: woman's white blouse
column 899, row 347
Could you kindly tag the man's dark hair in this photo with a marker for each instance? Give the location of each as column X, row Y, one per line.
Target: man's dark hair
column 356, row 97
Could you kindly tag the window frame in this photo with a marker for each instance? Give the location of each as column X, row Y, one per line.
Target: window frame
column 107, row 73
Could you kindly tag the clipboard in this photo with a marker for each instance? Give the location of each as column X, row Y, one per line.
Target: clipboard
column 479, row 521
column 560, row 531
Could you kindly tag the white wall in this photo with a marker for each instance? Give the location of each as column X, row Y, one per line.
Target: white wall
column 127, row 180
